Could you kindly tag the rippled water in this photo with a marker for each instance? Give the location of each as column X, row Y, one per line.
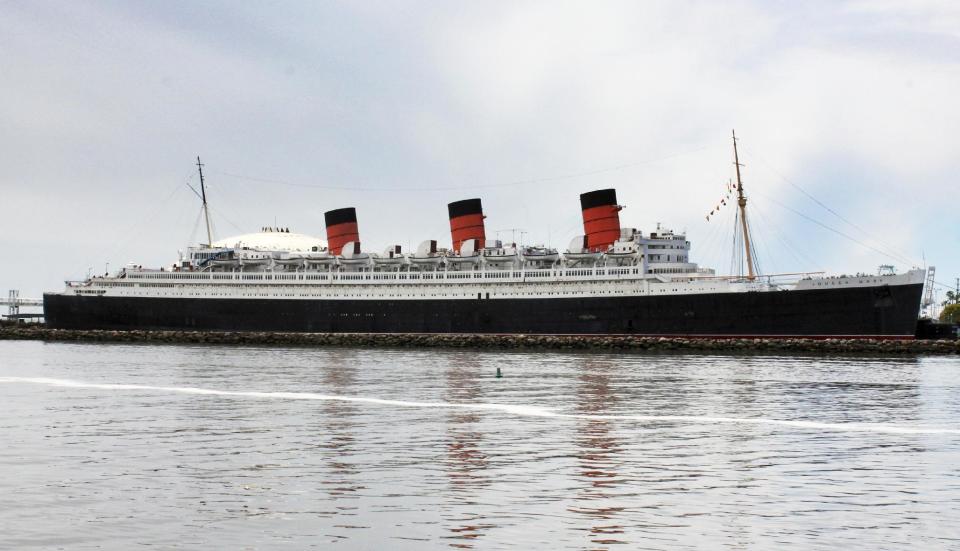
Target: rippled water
column 122, row 446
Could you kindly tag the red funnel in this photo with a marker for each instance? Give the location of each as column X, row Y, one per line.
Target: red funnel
column 466, row 222
column 601, row 218
column 341, row 228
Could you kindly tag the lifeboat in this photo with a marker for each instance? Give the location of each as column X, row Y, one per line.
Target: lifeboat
column 626, row 250
column 324, row 259
column 427, row 254
column 290, row 262
column 225, row 262
column 497, row 255
column 624, row 256
column 224, row 259
column 469, row 254
column 350, row 255
column 540, row 255
column 254, row 262
column 390, row 257
column 579, row 253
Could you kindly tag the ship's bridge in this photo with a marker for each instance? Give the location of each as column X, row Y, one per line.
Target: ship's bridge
column 665, row 252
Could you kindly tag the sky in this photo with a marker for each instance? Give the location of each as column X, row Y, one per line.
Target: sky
column 846, row 114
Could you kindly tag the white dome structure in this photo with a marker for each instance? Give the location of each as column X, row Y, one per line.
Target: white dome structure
column 272, row 239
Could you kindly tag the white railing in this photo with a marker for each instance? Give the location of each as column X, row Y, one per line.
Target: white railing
column 375, row 278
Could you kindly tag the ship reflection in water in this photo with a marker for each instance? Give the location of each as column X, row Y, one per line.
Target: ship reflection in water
column 336, row 435
column 602, row 498
column 466, row 462
column 132, row 446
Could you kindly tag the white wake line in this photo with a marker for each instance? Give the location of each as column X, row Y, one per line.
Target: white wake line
column 524, row 411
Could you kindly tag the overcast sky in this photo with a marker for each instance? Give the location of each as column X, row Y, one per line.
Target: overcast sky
column 397, row 108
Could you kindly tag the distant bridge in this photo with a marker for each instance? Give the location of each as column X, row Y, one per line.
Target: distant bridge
column 14, row 301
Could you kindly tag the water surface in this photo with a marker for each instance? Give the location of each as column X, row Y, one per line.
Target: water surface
column 123, row 446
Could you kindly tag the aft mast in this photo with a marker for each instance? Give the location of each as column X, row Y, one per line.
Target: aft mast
column 742, row 201
column 203, row 195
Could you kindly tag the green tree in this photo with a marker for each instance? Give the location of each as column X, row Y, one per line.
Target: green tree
column 952, row 298
column 951, row 314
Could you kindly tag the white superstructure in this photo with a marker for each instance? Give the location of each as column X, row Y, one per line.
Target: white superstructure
column 282, row 265
column 608, row 260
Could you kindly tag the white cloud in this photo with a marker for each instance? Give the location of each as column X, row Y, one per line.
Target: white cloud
column 108, row 106
column 611, row 82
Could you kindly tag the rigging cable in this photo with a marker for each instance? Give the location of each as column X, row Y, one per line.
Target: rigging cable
column 715, row 243
column 836, row 231
column 902, row 257
column 471, row 187
column 759, row 242
column 132, row 234
column 795, row 251
column 196, row 224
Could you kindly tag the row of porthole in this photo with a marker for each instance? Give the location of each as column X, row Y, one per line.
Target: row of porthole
column 436, row 294
column 640, row 291
column 551, row 293
column 566, row 284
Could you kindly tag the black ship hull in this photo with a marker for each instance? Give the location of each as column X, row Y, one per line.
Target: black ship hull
column 876, row 312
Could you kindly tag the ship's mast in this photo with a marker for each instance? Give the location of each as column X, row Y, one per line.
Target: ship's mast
column 206, row 211
column 742, row 201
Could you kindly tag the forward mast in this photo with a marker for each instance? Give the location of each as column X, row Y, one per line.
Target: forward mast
column 203, row 195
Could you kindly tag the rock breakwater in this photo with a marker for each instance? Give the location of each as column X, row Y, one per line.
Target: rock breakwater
column 477, row 341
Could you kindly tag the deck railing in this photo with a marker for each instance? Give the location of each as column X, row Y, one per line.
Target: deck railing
column 513, row 275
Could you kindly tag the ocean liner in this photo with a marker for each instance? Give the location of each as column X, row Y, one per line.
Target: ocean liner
column 612, row 280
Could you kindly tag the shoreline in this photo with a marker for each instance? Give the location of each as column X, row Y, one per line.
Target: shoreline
column 496, row 342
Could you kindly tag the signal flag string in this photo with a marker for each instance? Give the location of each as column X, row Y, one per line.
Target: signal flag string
column 723, row 200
